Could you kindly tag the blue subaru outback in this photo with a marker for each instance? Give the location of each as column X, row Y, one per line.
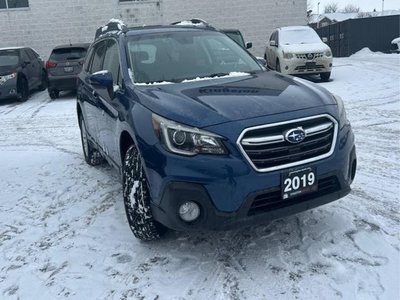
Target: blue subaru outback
column 205, row 137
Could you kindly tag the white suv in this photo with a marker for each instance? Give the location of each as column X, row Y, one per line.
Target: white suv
column 298, row 50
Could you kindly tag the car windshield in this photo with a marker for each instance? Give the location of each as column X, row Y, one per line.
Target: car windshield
column 68, row 54
column 298, row 36
column 9, row 58
column 186, row 55
column 236, row 36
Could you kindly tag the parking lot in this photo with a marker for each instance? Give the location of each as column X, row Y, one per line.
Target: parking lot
column 63, row 229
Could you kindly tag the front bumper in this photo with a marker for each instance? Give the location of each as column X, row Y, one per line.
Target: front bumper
column 226, row 187
column 8, row 89
column 296, row 66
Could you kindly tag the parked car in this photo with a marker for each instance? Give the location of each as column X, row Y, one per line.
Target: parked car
column 205, row 143
column 63, row 67
column 21, row 71
column 237, row 36
column 298, row 50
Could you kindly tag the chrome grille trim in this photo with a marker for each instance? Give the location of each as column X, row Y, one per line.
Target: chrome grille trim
column 259, row 141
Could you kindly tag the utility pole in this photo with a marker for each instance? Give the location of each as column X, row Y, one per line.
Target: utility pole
column 318, row 15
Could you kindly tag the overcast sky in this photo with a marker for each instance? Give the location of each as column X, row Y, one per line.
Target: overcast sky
column 365, row 5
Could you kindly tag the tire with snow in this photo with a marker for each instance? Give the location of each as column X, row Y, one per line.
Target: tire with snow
column 92, row 156
column 325, row 76
column 22, row 90
column 54, row 94
column 137, row 199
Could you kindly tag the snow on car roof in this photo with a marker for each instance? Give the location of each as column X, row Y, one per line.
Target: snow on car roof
column 290, row 28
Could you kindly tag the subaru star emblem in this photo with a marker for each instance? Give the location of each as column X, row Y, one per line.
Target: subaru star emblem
column 296, row 135
column 310, row 55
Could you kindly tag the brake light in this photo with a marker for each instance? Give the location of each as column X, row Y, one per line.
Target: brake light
column 50, row 64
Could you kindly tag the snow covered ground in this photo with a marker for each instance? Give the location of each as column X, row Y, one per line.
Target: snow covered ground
column 63, row 231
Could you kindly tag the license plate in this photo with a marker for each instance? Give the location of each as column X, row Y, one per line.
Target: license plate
column 310, row 64
column 68, row 69
column 299, row 182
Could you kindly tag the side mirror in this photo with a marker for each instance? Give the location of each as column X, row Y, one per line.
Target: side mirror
column 102, row 79
column 262, row 61
column 249, row 45
column 272, row 43
column 324, row 39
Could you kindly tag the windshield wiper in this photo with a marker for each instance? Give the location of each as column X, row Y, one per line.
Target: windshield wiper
column 220, row 74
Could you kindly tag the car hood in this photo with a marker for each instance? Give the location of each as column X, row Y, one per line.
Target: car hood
column 6, row 70
column 210, row 102
column 305, row 48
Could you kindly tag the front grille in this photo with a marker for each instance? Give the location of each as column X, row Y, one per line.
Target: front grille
column 314, row 55
column 272, row 199
column 308, row 68
column 267, row 148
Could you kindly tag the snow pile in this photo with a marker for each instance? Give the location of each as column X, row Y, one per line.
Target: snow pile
column 366, row 52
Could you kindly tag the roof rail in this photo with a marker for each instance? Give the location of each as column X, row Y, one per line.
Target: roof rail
column 113, row 26
column 194, row 23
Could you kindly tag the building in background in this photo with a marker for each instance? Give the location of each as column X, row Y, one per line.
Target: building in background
column 43, row 24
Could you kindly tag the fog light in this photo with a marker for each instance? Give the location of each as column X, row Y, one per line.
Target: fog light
column 13, row 91
column 189, row 211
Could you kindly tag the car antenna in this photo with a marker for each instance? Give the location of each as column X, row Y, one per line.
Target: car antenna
column 70, row 43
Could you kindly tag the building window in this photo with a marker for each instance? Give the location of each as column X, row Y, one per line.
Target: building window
column 11, row 4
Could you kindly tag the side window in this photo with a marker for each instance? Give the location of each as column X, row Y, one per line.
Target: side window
column 271, row 38
column 98, row 56
column 111, row 60
column 88, row 60
column 24, row 56
column 30, row 55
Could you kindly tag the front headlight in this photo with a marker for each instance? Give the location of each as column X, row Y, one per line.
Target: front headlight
column 287, row 55
column 328, row 53
column 185, row 140
column 342, row 111
column 8, row 77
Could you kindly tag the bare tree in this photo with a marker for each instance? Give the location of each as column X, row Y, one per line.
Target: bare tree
column 331, row 8
column 351, row 8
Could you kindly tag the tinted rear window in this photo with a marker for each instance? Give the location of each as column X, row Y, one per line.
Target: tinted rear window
column 9, row 58
column 68, row 54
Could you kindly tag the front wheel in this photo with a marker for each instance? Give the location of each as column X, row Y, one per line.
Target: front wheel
column 23, row 90
column 91, row 155
column 325, row 76
column 137, row 199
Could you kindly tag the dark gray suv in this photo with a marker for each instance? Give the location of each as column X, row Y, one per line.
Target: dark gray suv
column 63, row 67
column 21, row 70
